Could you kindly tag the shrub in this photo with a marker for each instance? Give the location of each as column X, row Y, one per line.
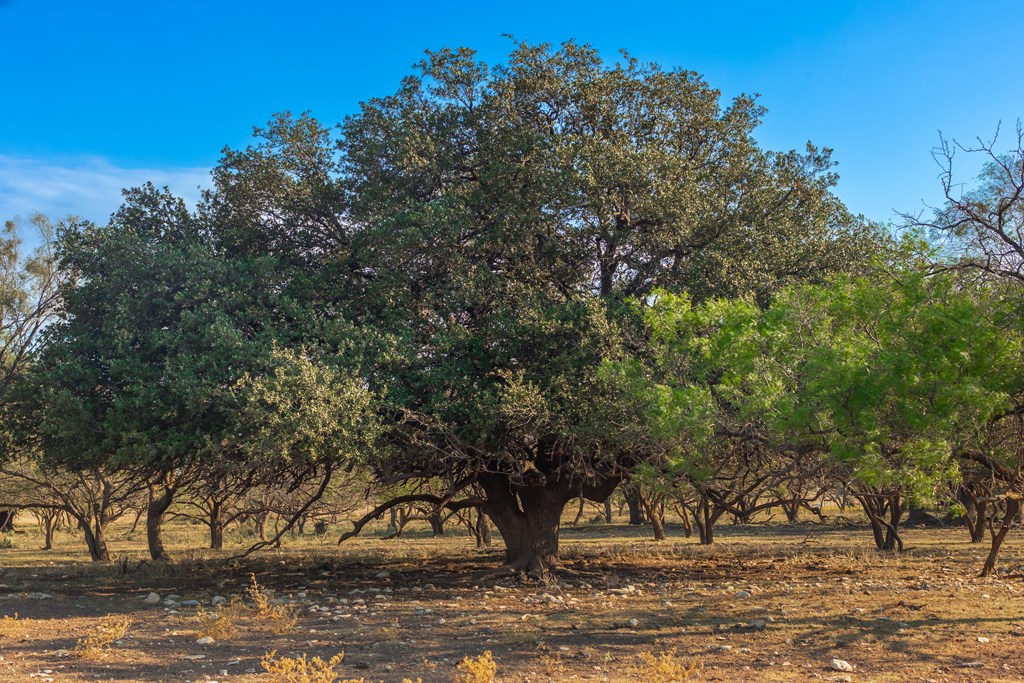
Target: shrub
column 481, row 669
column 221, row 623
column 97, row 642
column 278, row 618
column 664, row 668
column 303, row 670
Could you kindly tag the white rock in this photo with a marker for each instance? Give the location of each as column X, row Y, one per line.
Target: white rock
column 841, row 665
column 205, row 640
column 152, row 599
column 633, row 623
column 983, row 639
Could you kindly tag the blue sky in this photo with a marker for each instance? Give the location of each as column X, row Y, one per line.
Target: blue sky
column 99, row 95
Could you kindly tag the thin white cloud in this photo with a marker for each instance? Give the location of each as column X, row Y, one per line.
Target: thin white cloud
column 88, row 187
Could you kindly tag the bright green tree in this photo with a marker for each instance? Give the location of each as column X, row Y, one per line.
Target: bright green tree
column 891, row 378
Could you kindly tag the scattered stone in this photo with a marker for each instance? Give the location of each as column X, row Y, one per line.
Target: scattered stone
column 188, row 603
column 983, row 639
column 205, row 640
column 218, row 600
column 40, row 596
column 841, row 679
column 757, row 625
column 633, row 623
column 152, row 599
column 743, row 594
column 971, row 665
column 383, row 575
column 841, row 665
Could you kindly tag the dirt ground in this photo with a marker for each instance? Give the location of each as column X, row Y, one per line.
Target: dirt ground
column 765, row 603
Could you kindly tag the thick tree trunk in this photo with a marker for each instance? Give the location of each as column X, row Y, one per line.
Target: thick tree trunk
column 791, row 508
column 656, row 514
column 608, row 511
column 6, row 521
column 976, row 513
column 216, row 524
column 636, row 508
column 436, row 525
column 884, row 513
column 704, row 517
column 976, row 525
column 158, row 505
column 95, row 540
column 528, row 519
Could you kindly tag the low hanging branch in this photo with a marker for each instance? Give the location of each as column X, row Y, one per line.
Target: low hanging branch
column 438, row 502
column 291, row 521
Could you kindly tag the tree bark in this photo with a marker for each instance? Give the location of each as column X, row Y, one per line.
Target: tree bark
column 884, row 513
column 261, row 524
column 1013, row 508
column 976, row 512
column 482, row 530
column 216, row 523
column 48, row 525
column 704, row 516
column 436, row 524
column 95, row 539
column 657, row 517
column 635, row 503
column 791, row 508
column 158, row 505
column 528, row 519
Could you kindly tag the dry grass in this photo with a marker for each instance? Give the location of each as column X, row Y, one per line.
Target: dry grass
column 98, row 642
column 13, row 627
column 276, row 618
column 222, row 623
column 663, row 668
column 303, row 670
column 480, row 669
